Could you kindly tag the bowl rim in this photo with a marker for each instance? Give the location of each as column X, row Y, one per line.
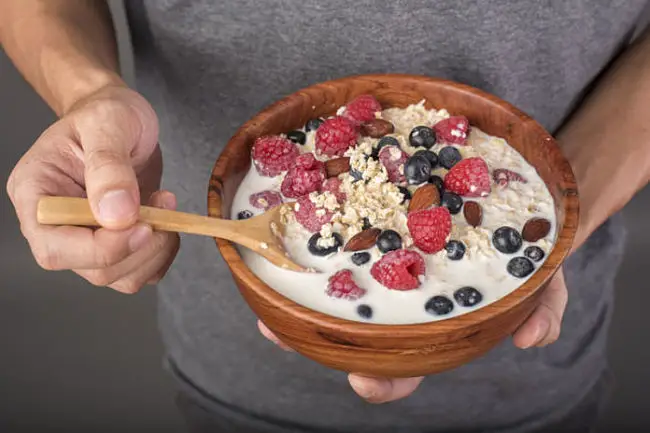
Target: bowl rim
column 561, row 249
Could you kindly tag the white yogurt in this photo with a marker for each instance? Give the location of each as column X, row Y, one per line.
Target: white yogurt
column 482, row 267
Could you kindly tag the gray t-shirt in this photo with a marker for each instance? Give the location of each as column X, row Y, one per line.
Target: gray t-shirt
column 208, row 66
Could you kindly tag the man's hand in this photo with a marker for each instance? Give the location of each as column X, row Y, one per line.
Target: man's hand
column 540, row 329
column 105, row 148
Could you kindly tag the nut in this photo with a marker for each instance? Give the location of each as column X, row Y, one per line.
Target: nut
column 363, row 240
column 334, row 167
column 377, row 128
column 473, row 213
column 535, row 229
column 424, row 197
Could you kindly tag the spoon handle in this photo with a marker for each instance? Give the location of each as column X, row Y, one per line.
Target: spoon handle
column 76, row 211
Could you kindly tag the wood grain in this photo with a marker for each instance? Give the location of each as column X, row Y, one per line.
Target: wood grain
column 397, row 350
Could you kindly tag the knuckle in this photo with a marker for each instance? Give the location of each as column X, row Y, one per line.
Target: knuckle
column 127, row 286
column 45, row 260
column 107, row 257
column 99, row 278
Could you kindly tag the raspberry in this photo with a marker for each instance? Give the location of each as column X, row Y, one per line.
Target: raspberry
column 333, row 185
column 452, row 130
column 265, row 199
column 335, row 136
column 361, row 109
column 273, row 154
column 341, row 285
column 503, row 176
column 469, row 178
column 393, row 158
column 429, row 228
column 309, row 216
column 305, row 176
column 399, row 270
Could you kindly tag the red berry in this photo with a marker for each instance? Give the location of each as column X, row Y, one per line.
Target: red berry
column 470, row 178
column 361, row 109
column 335, row 136
column 333, row 185
column 393, row 158
column 452, row 130
column 399, row 270
column 265, row 199
column 503, row 176
column 341, row 285
column 429, row 228
column 309, row 216
column 305, row 176
column 273, row 154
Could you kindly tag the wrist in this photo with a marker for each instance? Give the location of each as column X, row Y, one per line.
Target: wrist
column 84, row 86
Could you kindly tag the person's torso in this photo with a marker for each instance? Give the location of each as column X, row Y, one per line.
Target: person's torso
column 209, row 66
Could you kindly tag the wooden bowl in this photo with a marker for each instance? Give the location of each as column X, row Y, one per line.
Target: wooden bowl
column 397, row 350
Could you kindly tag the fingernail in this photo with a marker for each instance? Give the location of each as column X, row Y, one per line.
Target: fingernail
column 139, row 237
column 169, row 201
column 116, row 206
column 367, row 388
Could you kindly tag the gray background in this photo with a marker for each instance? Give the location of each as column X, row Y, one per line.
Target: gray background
column 79, row 358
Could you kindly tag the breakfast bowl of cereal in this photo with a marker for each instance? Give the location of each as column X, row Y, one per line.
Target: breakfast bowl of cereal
column 431, row 215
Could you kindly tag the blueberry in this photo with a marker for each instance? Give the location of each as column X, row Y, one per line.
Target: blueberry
column 356, row 175
column 313, row 124
column 417, row 169
column 364, row 311
column 534, row 253
column 451, row 201
column 438, row 182
column 317, row 250
column 360, row 258
column 439, row 306
column 429, row 155
column 455, row 250
column 366, row 224
column 468, row 296
column 383, row 142
column 520, row 267
column 244, row 215
column 422, row 136
column 405, row 192
column 389, row 240
column 507, row 240
column 449, row 156
column 297, row 137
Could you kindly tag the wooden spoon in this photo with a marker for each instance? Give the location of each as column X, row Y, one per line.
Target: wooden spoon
column 260, row 234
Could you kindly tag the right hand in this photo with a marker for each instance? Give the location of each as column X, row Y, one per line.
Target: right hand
column 104, row 148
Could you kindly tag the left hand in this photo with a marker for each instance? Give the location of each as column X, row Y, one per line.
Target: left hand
column 540, row 329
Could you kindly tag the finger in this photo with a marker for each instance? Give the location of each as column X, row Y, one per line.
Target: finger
column 266, row 332
column 383, row 390
column 543, row 326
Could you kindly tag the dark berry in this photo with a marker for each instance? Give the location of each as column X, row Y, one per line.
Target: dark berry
column 383, row 142
column 455, row 250
column 244, row 215
column 520, row 267
column 360, row 258
column 317, row 250
column 389, row 240
column 422, row 136
column 405, row 192
column 313, row 124
column 438, row 182
column 417, row 169
column 449, row 156
column 356, row 175
column 297, row 137
column 451, row 201
column 468, row 296
column 507, row 240
column 429, row 155
column 364, row 311
column 534, row 253
column 366, row 224
column 439, row 306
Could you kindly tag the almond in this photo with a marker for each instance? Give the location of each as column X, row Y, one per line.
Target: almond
column 424, row 197
column 535, row 229
column 363, row 240
column 473, row 213
column 334, row 167
column 377, row 128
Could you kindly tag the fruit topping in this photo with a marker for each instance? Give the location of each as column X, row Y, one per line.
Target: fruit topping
column 364, row 311
column 453, row 130
column 469, row 178
column 429, row 228
column 455, row 250
column 324, row 247
column 439, row 305
column 360, row 258
column 273, row 155
column 298, row 137
column 429, row 155
column 417, row 169
column 335, row 136
column 422, row 136
column 388, row 240
column 503, row 176
column 311, row 217
column 506, row 240
column 399, row 270
column 305, row 176
column 341, row 285
column 520, row 267
column 393, row 158
column 265, row 199
column 448, row 157
column 313, row 124
column 468, row 296
column 534, row 253
column 362, row 109
column 451, row 201
column 244, row 215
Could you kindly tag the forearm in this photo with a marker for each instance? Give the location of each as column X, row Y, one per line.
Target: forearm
column 65, row 49
column 608, row 140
